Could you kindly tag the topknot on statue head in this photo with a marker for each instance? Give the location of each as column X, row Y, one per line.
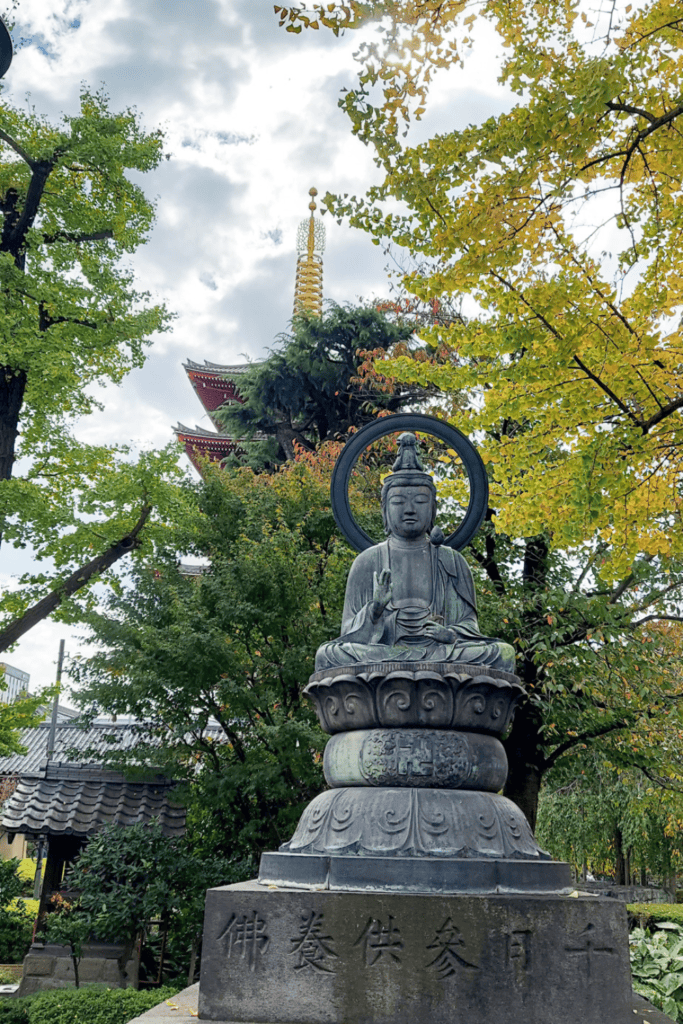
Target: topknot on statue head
column 408, row 471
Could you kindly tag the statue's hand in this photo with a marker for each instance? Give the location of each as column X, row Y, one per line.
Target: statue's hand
column 381, row 593
column 442, row 634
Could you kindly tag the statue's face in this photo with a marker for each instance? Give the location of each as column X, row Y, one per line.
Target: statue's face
column 409, row 511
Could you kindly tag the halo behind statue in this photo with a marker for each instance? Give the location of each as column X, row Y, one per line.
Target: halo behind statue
column 5, row 49
column 474, row 467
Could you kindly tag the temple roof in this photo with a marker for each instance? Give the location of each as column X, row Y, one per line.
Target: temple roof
column 78, row 801
column 214, row 385
column 201, row 444
column 97, row 739
column 73, row 794
column 217, row 368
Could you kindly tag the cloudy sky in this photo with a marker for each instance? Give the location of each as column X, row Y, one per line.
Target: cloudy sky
column 251, row 121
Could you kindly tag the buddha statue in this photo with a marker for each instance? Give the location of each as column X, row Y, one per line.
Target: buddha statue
column 411, row 598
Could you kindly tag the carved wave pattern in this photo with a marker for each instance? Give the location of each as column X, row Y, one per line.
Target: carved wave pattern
column 409, row 697
column 411, row 822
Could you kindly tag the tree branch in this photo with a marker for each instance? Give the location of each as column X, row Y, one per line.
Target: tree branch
column 73, row 583
column 75, row 236
column 591, row 734
column 662, row 414
column 17, row 148
column 621, row 587
column 608, row 391
column 626, row 108
column 653, row 598
column 600, row 549
column 651, row 618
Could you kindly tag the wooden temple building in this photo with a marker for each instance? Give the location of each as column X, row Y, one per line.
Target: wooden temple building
column 61, row 793
column 217, row 384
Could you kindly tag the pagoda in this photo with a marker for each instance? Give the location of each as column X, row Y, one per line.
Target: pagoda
column 217, row 384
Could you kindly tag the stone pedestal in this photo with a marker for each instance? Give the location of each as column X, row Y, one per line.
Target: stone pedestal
column 49, row 966
column 290, row 956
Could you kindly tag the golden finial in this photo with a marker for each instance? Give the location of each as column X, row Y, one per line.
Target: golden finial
column 308, row 290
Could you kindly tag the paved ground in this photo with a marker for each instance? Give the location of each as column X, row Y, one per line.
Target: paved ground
column 183, row 1008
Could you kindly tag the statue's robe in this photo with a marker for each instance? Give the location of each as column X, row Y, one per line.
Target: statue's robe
column 396, row 634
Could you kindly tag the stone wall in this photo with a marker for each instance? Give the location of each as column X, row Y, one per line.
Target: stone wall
column 625, row 893
column 48, row 966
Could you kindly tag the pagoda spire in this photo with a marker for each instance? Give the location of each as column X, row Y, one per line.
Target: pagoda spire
column 310, row 245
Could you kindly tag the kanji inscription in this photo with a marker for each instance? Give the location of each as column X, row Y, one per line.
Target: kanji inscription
column 246, row 937
column 519, row 952
column 451, row 951
column 381, row 942
column 588, row 946
column 312, row 949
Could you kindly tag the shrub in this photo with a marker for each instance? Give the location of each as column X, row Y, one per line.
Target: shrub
column 648, row 915
column 657, row 967
column 16, row 931
column 96, row 1006
column 14, row 1011
column 31, row 906
column 27, row 874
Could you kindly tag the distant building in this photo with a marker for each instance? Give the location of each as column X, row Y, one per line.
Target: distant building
column 16, row 683
column 217, row 384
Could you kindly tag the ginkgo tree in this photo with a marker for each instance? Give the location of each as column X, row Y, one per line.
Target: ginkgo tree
column 561, row 218
column 72, row 319
column 558, row 223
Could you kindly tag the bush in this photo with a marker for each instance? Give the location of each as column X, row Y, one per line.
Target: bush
column 27, row 873
column 657, row 967
column 16, row 931
column 14, row 1011
column 648, row 915
column 31, row 906
column 94, row 1006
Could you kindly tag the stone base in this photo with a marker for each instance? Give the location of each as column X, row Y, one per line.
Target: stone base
column 183, row 1007
column 49, row 966
column 413, row 874
column 287, row 956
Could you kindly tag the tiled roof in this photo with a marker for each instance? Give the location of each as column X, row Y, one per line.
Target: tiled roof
column 72, row 794
column 208, row 367
column 78, row 801
column 101, row 738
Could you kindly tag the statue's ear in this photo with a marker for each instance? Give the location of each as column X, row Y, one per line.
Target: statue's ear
column 437, row 536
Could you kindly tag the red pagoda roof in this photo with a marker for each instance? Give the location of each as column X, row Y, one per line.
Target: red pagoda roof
column 215, row 383
column 205, row 444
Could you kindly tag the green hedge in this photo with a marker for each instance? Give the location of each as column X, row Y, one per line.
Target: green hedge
column 646, row 915
column 83, row 1006
column 16, row 929
column 14, row 1011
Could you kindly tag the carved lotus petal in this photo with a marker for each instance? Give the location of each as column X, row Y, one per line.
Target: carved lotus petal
column 410, row 822
column 409, row 696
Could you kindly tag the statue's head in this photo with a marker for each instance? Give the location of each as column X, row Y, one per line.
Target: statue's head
column 408, row 494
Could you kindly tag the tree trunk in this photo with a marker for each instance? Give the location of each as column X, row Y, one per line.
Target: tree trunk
column 12, row 388
column 76, row 961
column 193, row 958
column 123, row 959
column 619, row 859
column 524, row 748
column 526, row 760
column 671, row 886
